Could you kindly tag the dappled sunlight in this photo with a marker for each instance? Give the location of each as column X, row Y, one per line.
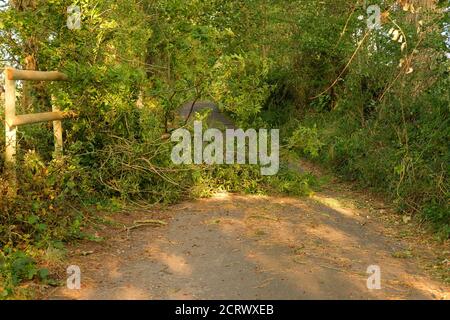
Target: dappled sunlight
column 282, row 233
column 220, row 195
column 422, row 284
column 113, row 266
column 335, row 239
column 336, row 205
column 180, row 296
column 175, row 263
column 282, row 269
column 330, row 234
column 130, row 292
column 231, row 225
column 88, row 289
column 235, row 246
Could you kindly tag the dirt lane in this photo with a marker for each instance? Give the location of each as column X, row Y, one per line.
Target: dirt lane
column 253, row 247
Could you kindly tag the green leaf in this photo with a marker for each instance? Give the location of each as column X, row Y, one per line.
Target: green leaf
column 43, row 274
column 33, row 219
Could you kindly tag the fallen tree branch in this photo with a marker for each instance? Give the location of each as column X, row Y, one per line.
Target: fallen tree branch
column 145, row 223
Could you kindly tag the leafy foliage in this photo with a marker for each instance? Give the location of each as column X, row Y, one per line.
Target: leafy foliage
column 372, row 105
column 377, row 101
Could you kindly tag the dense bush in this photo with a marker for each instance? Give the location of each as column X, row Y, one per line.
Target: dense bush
column 384, row 122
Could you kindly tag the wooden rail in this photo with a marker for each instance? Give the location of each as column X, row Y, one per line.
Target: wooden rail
column 41, row 117
column 12, row 121
column 14, row 74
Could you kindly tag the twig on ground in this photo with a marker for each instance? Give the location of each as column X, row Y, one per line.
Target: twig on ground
column 145, row 223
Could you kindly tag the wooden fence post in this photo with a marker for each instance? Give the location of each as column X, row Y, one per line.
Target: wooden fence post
column 10, row 134
column 57, row 132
